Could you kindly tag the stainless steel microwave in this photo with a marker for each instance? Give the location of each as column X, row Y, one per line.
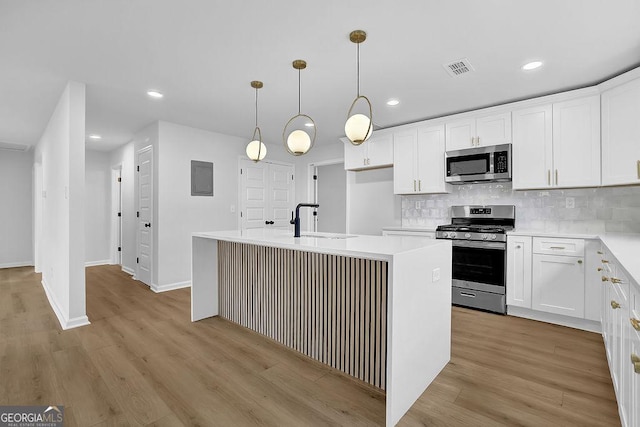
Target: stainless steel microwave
column 479, row 164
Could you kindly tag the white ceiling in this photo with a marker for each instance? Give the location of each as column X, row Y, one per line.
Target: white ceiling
column 202, row 54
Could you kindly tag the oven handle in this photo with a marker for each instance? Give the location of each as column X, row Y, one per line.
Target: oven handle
column 480, row 245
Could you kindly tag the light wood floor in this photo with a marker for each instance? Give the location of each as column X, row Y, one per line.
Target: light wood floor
column 142, row 362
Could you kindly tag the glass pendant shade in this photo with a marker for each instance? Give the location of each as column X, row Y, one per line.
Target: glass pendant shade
column 256, row 150
column 358, row 128
column 296, row 140
column 299, row 142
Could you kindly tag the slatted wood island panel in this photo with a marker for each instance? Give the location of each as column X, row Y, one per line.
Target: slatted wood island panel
column 331, row 308
column 375, row 307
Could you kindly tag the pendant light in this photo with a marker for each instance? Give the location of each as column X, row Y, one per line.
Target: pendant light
column 358, row 127
column 298, row 141
column 256, row 150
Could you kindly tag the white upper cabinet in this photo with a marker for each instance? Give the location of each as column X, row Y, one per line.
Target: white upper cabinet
column 558, row 145
column 478, row 131
column 621, row 134
column 418, row 155
column 532, row 150
column 376, row 152
column 576, row 142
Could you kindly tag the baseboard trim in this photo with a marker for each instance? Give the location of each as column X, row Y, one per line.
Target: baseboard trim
column 96, row 263
column 64, row 322
column 128, row 270
column 170, row 287
column 17, row 264
column 556, row 319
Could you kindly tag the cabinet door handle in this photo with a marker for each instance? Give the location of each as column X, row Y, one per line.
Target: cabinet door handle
column 548, row 176
column 478, row 141
column 636, row 363
column 635, row 323
column 615, row 280
column 579, row 261
column 605, row 279
column 604, row 261
column 419, row 185
column 414, row 185
column 364, row 161
column 600, row 253
column 473, row 141
column 614, row 304
column 599, row 269
column 638, row 168
column 556, row 176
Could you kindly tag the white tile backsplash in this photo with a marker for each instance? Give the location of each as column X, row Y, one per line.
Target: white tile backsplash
column 595, row 210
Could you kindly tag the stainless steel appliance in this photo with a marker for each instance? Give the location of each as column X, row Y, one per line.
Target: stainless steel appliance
column 480, row 164
column 479, row 240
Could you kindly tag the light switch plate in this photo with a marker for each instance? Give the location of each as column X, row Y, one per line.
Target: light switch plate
column 435, row 275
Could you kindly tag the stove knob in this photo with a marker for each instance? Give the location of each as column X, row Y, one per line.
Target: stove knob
column 453, row 235
column 485, row 237
column 493, row 237
column 467, row 235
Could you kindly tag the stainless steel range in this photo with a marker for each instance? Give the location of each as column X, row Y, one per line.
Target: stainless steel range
column 479, row 240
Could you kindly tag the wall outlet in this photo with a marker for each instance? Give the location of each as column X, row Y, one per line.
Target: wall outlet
column 570, row 202
column 435, row 275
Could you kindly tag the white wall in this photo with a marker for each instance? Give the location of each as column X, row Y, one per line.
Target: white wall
column 97, row 208
column 60, row 156
column 16, row 213
column 124, row 157
column 180, row 214
column 371, row 203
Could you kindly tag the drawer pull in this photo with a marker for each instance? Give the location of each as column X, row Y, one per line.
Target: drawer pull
column 605, row 279
column 557, row 247
column 579, row 261
column 604, row 261
column 615, row 304
column 599, row 268
column 600, row 253
column 635, row 323
column 615, row 280
column 464, row 294
column 636, row 363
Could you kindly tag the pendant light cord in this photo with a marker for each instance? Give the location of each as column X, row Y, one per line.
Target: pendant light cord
column 256, row 107
column 358, row 50
column 298, row 91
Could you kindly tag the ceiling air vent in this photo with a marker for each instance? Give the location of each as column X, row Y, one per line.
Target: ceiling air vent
column 459, row 67
column 13, row 147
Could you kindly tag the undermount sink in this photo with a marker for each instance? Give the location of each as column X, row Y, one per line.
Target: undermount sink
column 327, row 236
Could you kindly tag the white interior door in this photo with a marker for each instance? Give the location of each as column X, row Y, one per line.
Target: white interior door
column 145, row 215
column 266, row 195
column 116, row 215
column 280, row 191
column 253, row 194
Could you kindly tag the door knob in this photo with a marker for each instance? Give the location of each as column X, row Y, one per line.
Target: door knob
column 269, row 222
column 148, row 224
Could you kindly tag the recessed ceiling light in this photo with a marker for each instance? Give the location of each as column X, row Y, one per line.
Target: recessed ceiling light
column 155, row 94
column 393, row 102
column 532, row 65
column 94, row 136
column 309, row 125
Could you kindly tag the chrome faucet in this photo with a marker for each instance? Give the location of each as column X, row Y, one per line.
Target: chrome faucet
column 296, row 221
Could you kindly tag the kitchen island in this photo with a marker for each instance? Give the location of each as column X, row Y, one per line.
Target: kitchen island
column 377, row 308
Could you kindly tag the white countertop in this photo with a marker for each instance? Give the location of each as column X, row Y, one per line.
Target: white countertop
column 410, row 229
column 371, row 247
column 521, row 232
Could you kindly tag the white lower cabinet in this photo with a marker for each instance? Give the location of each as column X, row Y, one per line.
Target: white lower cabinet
column 519, row 271
column 621, row 333
column 558, row 284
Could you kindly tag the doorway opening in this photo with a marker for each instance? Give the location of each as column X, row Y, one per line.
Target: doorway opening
column 330, row 192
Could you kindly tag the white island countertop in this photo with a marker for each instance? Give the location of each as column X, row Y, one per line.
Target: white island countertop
column 360, row 246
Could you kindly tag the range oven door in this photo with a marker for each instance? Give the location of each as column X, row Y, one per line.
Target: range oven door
column 479, row 265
